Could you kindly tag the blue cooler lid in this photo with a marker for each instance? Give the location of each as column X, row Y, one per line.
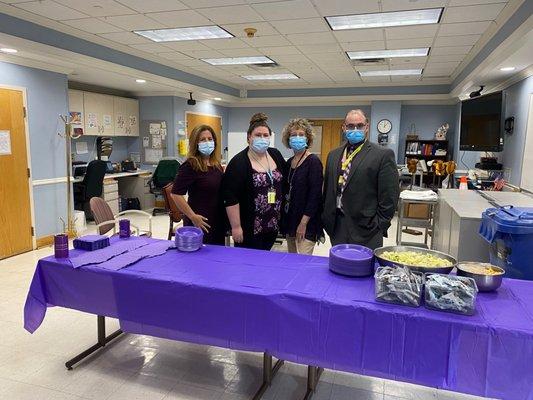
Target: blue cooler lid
column 507, row 219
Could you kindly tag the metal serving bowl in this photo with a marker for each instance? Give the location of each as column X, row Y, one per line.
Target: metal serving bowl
column 485, row 283
column 439, row 270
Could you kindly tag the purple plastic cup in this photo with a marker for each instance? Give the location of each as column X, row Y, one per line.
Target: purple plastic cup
column 61, row 245
column 124, row 228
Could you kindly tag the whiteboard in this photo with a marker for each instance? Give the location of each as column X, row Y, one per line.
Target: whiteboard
column 237, row 141
column 527, row 158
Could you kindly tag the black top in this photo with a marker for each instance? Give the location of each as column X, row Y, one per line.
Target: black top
column 237, row 186
column 305, row 197
column 204, row 198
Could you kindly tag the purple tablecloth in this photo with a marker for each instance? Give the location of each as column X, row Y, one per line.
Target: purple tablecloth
column 293, row 307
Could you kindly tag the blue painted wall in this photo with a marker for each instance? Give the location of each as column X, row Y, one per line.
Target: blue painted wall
column 121, row 148
column 47, row 99
column 391, row 110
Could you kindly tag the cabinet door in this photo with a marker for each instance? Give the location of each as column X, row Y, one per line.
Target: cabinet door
column 93, row 115
column 132, row 121
column 108, row 126
column 120, row 111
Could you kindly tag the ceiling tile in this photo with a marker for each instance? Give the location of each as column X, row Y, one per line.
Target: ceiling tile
column 278, row 50
column 406, row 65
column 466, row 40
column 404, row 61
column 203, row 53
column 219, row 44
column 280, row 10
column 402, row 5
column 92, row 25
column 301, row 67
column 212, row 3
column 464, row 28
column 289, row 58
column 97, row 8
column 134, row 22
column 315, row 38
column 359, row 35
column 447, row 58
column 360, row 46
column 301, row 26
column 442, row 65
column 249, row 52
column 267, row 41
column 411, row 32
column 263, row 29
column 151, row 47
column 443, row 51
column 454, row 3
column 483, row 12
column 175, row 55
column 320, row 48
column 380, row 67
column 343, row 7
column 186, row 45
column 192, row 62
column 125, row 38
column 144, row 6
column 231, row 14
column 405, row 78
column 179, row 19
column 52, row 10
column 409, row 43
column 383, row 79
column 439, row 72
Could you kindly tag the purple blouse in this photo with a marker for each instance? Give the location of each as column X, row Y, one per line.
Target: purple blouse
column 267, row 216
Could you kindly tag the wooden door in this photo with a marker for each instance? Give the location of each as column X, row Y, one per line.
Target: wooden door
column 15, row 208
column 215, row 122
column 331, row 132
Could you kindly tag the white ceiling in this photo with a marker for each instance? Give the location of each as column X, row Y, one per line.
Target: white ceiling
column 293, row 33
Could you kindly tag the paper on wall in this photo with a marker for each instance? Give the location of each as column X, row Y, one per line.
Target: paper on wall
column 133, row 120
column 146, row 141
column 81, row 148
column 155, row 128
column 92, row 120
column 153, row 155
column 75, row 117
column 121, row 121
column 135, row 157
column 5, row 143
column 163, row 124
column 156, row 142
column 108, row 120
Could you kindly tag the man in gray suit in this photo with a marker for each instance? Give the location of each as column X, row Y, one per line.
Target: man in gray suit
column 361, row 187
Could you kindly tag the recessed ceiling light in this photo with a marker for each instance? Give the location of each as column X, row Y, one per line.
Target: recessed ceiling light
column 8, row 50
column 269, row 77
column 191, row 33
column 364, row 55
column 140, row 80
column 505, row 69
column 381, row 20
column 391, row 72
column 217, row 98
column 239, row 60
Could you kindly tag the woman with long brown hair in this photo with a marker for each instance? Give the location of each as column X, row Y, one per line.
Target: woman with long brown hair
column 200, row 177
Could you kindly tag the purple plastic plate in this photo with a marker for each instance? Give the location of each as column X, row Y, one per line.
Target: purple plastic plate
column 351, row 260
column 351, row 252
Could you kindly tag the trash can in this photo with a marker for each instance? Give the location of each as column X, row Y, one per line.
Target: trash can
column 509, row 231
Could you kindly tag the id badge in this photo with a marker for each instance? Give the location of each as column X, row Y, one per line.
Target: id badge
column 272, row 196
column 339, row 202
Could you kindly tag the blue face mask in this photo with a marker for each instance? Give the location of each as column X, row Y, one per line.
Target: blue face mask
column 206, row 148
column 355, row 136
column 298, row 143
column 260, row 145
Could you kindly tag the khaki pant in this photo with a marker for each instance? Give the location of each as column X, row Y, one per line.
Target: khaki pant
column 301, row 247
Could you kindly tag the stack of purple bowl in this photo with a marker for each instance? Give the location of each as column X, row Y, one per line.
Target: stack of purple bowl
column 351, row 260
column 189, row 238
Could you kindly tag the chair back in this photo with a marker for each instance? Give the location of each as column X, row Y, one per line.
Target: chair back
column 94, row 178
column 174, row 212
column 101, row 213
column 165, row 172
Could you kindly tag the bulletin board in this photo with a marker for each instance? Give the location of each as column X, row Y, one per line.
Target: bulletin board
column 153, row 137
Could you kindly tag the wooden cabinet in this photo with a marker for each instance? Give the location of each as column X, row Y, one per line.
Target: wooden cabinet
column 105, row 115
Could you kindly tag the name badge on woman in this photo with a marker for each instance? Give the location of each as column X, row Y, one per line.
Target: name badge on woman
column 271, row 196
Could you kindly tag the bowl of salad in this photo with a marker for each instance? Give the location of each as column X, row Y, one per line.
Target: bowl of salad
column 415, row 258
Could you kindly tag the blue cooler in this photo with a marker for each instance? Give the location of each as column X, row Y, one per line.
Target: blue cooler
column 509, row 230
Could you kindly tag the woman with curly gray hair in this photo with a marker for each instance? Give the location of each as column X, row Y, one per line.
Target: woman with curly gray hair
column 303, row 189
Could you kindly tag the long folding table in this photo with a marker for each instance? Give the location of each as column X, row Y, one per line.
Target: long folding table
column 293, row 308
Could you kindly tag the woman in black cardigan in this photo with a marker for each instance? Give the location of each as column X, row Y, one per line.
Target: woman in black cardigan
column 252, row 189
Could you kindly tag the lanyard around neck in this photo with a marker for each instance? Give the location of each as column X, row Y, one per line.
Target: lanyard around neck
column 268, row 170
column 349, row 159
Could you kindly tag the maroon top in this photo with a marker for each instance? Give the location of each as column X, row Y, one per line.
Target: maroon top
column 204, row 199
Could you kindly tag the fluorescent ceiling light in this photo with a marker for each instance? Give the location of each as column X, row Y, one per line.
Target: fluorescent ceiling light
column 270, row 77
column 239, row 60
column 368, row 54
column 381, row 20
column 391, row 72
column 8, row 50
column 505, row 69
column 140, row 80
column 191, row 33
column 217, row 98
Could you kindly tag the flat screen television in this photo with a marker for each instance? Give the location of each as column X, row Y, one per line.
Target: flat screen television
column 481, row 123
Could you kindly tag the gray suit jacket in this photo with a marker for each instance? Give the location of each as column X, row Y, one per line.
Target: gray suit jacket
column 371, row 194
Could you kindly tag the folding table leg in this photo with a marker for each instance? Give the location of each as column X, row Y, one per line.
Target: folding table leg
column 268, row 374
column 313, row 376
column 102, row 341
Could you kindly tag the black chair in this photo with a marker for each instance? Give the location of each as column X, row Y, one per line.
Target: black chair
column 164, row 173
column 91, row 186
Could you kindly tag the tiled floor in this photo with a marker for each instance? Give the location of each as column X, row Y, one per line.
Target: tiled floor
column 141, row 367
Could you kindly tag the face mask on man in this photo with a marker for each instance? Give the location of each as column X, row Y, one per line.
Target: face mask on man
column 298, row 143
column 206, row 148
column 354, row 136
column 260, row 145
